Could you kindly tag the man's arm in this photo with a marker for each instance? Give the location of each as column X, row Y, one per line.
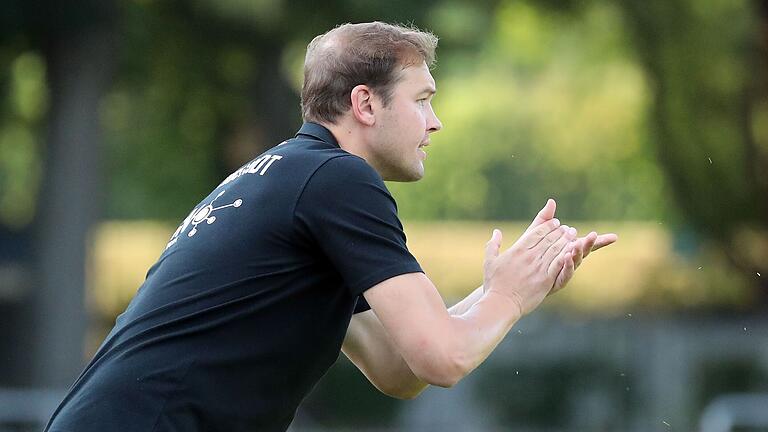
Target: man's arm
column 375, row 352
column 439, row 348
column 464, row 304
column 369, row 347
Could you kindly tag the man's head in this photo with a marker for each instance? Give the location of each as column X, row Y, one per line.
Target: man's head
column 372, row 80
column 368, row 53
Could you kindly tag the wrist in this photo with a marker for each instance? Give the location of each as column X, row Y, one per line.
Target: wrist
column 513, row 301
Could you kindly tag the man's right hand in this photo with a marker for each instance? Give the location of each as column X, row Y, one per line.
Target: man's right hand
column 527, row 271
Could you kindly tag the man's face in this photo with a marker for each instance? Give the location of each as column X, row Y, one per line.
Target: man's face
column 403, row 126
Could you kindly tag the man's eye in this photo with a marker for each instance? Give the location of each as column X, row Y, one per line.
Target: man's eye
column 421, row 102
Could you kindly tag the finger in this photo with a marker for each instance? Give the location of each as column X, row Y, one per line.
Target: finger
column 531, row 238
column 553, row 258
column 548, row 240
column 545, row 214
column 578, row 251
column 587, row 245
column 604, row 240
column 565, row 274
column 557, row 265
column 558, row 247
column 493, row 245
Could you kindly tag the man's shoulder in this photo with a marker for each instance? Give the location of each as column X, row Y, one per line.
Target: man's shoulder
column 320, row 158
column 310, row 151
column 345, row 168
column 314, row 150
column 349, row 180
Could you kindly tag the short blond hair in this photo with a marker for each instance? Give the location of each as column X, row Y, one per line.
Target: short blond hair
column 372, row 54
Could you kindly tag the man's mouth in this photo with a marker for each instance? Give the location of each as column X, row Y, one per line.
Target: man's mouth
column 421, row 151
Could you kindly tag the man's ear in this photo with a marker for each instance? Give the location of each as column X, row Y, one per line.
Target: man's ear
column 362, row 107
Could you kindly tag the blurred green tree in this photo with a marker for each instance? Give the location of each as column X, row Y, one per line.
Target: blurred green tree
column 707, row 62
column 615, row 108
column 204, row 86
column 199, row 87
column 552, row 105
column 61, row 56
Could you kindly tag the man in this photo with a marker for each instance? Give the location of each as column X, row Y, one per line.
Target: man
column 299, row 254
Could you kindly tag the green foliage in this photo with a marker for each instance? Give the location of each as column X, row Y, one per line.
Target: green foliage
column 538, row 99
column 552, row 106
column 176, row 90
column 20, row 131
column 204, row 86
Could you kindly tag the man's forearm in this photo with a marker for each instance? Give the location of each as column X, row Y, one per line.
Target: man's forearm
column 461, row 310
column 478, row 330
column 463, row 306
column 437, row 347
column 384, row 366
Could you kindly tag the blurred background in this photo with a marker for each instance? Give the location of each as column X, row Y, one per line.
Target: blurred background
column 648, row 118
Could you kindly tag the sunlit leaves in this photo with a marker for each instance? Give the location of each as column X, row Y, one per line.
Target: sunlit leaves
column 20, row 156
column 458, row 23
column 19, row 174
column 28, row 90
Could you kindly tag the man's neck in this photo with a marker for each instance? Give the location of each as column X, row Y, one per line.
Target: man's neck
column 355, row 139
column 348, row 137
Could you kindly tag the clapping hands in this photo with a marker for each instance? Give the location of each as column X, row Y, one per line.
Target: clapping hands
column 579, row 249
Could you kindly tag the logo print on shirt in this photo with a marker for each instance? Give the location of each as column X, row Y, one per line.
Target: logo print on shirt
column 204, row 214
column 259, row 165
column 200, row 215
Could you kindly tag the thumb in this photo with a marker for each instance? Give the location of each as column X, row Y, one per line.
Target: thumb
column 493, row 245
column 545, row 214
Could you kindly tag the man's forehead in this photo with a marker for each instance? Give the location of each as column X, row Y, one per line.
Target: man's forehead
column 419, row 76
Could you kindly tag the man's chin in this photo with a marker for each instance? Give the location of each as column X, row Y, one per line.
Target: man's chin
column 413, row 177
column 407, row 177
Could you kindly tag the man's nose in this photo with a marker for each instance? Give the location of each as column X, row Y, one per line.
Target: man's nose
column 434, row 124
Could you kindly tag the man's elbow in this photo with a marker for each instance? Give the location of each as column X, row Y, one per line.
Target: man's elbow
column 445, row 372
column 404, row 393
column 401, row 389
column 445, row 380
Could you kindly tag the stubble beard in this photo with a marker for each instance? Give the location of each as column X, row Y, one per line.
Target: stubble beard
column 403, row 170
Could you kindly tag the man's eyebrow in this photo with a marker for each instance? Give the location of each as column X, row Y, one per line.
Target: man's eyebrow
column 431, row 90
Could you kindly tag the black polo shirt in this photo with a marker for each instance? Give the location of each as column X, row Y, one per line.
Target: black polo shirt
column 248, row 305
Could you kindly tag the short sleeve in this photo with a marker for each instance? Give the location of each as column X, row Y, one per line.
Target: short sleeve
column 348, row 211
column 361, row 305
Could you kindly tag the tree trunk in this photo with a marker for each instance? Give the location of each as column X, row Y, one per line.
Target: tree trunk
column 79, row 64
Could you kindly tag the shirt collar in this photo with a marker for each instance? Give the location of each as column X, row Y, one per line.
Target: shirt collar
column 319, row 132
